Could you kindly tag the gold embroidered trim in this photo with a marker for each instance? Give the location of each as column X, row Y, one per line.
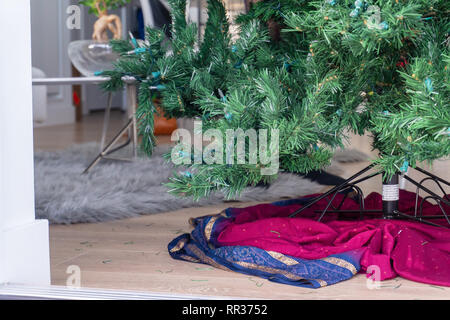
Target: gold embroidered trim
column 321, row 282
column 341, row 263
column 288, row 275
column 282, row 258
column 188, row 258
column 269, row 270
column 204, row 258
column 179, row 245
column 209, row 226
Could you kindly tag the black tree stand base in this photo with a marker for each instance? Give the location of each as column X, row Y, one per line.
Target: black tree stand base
column 390, row 193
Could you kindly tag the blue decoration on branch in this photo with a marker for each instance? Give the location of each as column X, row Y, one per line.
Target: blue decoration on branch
column 429, row 84
column 405, row 166
column 359, row 5
column 139, row 50
column 187, row 174
column 354, row 13
column 384, row 25
column 133, row 40
column 238, row 64
column 287, row 66
column 228, row 116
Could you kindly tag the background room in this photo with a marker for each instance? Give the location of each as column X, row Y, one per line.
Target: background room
column 103, row 136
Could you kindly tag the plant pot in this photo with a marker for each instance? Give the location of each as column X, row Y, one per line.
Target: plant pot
column 163, row 125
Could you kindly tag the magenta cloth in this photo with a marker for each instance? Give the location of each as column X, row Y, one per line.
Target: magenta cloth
column 410, row 249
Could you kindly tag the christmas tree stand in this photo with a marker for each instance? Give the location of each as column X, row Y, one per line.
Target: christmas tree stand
column 390, row 195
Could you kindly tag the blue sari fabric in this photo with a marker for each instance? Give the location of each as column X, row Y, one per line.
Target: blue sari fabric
column 201, row 246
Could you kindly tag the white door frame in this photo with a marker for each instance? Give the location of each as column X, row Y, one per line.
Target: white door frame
column 24, row 241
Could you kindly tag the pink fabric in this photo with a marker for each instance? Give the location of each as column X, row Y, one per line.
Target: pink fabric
column 412, row 250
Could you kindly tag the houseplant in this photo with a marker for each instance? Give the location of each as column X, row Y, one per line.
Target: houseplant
column 105, row 21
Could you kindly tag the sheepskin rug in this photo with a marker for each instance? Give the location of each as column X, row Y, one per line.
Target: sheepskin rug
column 117, row 190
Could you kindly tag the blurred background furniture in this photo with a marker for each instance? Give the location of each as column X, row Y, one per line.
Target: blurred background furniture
column 39, row 98
column 69, row 104
column 130, row 127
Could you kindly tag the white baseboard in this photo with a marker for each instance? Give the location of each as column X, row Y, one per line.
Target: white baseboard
column 21, row 292
column 24, row 254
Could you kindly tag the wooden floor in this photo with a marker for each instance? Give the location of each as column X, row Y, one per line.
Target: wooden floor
column 90, row 129
column 131, row 254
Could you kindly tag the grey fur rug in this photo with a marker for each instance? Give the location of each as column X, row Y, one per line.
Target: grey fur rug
column 117, row 190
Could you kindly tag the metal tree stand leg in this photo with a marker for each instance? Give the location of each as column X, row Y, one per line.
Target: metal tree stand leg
column 338, row 188
column 390, row 194
column 130, row 128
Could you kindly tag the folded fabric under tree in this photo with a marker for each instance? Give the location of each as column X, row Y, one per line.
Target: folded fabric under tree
column 262, row 240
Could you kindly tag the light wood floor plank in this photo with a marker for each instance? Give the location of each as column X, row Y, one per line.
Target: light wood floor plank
column 131, row 254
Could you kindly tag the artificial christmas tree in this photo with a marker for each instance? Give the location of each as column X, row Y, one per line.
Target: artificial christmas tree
column 392, row 67
column 220, row 80
column 305, row 71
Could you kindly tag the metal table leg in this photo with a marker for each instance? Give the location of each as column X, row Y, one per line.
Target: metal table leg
column 106, row 121
column 130, row 127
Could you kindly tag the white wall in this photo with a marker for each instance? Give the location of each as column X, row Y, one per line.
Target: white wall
column 24, row 241
column 50, row 38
